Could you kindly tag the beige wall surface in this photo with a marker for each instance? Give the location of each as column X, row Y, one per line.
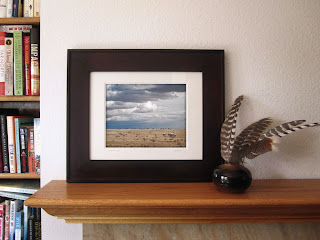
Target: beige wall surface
column 227, row 231
column 272, row 56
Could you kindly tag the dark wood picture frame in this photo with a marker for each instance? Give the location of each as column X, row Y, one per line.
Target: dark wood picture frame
column 82, row 62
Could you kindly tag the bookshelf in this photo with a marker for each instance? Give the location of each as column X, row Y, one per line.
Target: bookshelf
column 27, row 105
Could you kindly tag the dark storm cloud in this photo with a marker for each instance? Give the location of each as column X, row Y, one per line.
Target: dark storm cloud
column 143, row 92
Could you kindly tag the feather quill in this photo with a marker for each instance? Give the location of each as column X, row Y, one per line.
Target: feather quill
column 228, row 130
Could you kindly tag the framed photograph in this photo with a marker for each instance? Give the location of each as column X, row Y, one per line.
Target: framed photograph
column 144, row 115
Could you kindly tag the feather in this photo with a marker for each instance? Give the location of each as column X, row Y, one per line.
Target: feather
column 259, row 148
column 247, row 137
column 228, row 129
column 281, row 129
column 266, row 143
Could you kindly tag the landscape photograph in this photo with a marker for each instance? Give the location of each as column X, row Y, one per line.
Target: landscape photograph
column 146, row 115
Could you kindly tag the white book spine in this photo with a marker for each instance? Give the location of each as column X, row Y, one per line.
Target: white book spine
column 36, row 8
column 13, row 206
column 11, row 144
column 25, row 8
column 3, row 8
column 30, row 7
column 8, row 65
column 9, row 8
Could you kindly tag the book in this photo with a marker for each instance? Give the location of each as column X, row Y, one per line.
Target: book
column 1, row 159
column 18, row 226
column 24, row 150
column 2, row 63
column 4, row 143
column 17, row 123
column 2, row 219
column 28, row 8
column 28, row 186
column 26, row 215
column 31, row 234
column 37, row 144
column 35, row 61
column 9, row 8
column 18, row 63
column 37, row 223
column 27, row 63
column 11, row 144
column 12, row 28
column 20, row 196
column 6, row 219
column 31, row 158
column 8, row 54
column 36, row 8
column 17, row 8
column 15, row 206
column 3, row 8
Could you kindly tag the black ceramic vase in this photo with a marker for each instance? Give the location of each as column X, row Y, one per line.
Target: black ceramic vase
column 232, row 178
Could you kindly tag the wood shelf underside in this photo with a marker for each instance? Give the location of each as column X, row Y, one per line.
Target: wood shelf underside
column 19, row 176
column 119, row 203
column 20, row 20
column 19, row 98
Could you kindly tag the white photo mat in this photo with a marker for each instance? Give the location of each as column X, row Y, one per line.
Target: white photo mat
column 194, row 116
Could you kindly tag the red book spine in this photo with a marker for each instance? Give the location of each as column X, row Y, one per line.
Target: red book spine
column 27, row 64
column 31, row 158
column 2, row 63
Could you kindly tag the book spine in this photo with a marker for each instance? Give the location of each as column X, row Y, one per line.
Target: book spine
column 27, row 64
column 37, row 223
column 4, row 143
column 17, row 144
column 26, row 215
column 9, row 8
column 20, row 196
column 12, row 28
column 2, row 63
column 31, row 159
column 20, row 8
column 30, row 7
column 11, row 144
column 35, row 61
column 26, row 8
column 37, row 144
column 3, row 8
column 36, row 8
column 9, row 64
column 24, row 150
column 7, row 220
column 1, row 227
column 2, row 214
column 31, row 234
column 1, row 158
column 12, row 217
column 18, row 226
column 18, row 64
column 15, row 7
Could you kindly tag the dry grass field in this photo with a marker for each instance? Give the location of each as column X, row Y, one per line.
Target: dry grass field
column 146, row 138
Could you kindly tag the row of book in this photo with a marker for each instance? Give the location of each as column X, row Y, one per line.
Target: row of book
column 17, row 221
column 20, row 144
column 19, row 60
column 19, row 8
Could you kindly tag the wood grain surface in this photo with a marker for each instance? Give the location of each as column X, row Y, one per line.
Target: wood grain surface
column 265, row 201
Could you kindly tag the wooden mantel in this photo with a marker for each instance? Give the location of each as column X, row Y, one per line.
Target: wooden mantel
column 265, row 201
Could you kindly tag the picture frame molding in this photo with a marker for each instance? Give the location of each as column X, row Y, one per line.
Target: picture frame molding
column 82, row 62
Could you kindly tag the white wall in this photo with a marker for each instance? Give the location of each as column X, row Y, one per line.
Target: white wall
column 272, row 51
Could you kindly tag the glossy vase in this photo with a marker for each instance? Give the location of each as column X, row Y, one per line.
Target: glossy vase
column 232, row 178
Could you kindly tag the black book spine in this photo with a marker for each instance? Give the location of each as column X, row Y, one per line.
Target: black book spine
column 31, row 235
column 37, row 223
column 4, row 143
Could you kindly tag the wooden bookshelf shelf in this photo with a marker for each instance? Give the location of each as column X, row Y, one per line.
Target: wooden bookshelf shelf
column 20, row 20
column 124, row 203
column 19, row 98
column 19, row 176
